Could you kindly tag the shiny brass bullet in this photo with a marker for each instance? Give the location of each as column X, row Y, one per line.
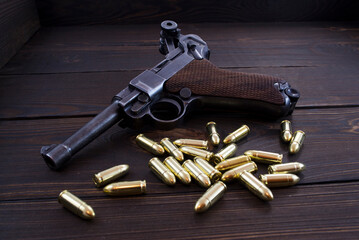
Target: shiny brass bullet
column 172, row 149
column 264, row 157
column 286, row 130
column 162, row 171
column 210, row 197
column 195, row 152
column 232, row 162
column 149, row 145
column 235, row 172
column 109, row 175
column 237, row 135
column 293, row 167
column 212, row 133
column 76, row 205
column 192, row 143
column 125, row 188
column 208, row 169
column 279, row 180
column 197, row 174
column 255, row 186
column 296, row 142
column 176, row 168
column 226, row 152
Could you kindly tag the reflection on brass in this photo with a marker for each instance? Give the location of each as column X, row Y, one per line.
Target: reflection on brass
column 162, row 171
column 76, row 205
column 264, row 157
column 125, row 188
column 109, row 175
column 195, row 152
column 149, row 145
column 226, row 152
column 286, row 130
column 210, row 197
column 197, row 174
column 173, row 165
column 293, row 167
column 212, row 133
column 208, row 169
column 279, row 180
column 255, row 186
column 232, row 162
column 235, row 172
column 237, row 135
column 172, row 149
column 192, row 143
column 296, row 142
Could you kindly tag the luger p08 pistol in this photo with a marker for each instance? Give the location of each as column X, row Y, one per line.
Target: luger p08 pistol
column 185, row 80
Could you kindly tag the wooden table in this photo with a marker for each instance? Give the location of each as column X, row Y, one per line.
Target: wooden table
column 64, row 76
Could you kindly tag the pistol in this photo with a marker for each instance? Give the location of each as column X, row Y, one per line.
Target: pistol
column 184, row 81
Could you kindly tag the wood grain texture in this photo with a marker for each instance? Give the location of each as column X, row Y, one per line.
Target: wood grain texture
column 118, row 12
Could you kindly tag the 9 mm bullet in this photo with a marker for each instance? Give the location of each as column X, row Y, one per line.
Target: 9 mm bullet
column 195, row 152
column 176, row 168
column 293, row 167
column 197, row 174
column 232, row 162
column 210, row 197
column 264, row 157
column 286, row 130
column 172, row 149
column 235, row 172
column 213, row 134
column 161, row 171
column 296, row 142
column 192, row 143
column 255, row 186
column 76, row 205
column 125, row 188
column 279, row 180
column 149, row 145
column 208, row 169
column 237, row 135
column 226, row 152
column 109, row 175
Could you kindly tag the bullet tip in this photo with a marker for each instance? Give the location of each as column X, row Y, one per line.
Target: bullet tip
column 201, row 205
column 204, row 181
column 215, row 140
column 294, row 148
column 170, row 178
column 185, row 177
column 287, row 136
column 88, row 213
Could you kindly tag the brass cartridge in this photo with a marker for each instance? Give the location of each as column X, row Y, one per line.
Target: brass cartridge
column 296, row 142
column 176, row 168
column 235, row 172
column 149, row 145
column 293, row 167
column 264, row 157
column 162, row 171
column 208, row 169
column 125, row 188
column 286, row 130
column 237, row 135
column 192, row 143
column 197, row 174
column 255, row 186
column 210, row 197
column 172, row 149
column 195, row 152
column 226, row 152
column 76, row 205
column 109, row 175
column 212, row 133
column 232, row 162
column 279, row 180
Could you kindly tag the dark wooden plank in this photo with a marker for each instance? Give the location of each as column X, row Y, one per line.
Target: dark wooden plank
column 18, row 22
column 114, row 48
column 114, row 12
column 329, row 150
column 327, row 211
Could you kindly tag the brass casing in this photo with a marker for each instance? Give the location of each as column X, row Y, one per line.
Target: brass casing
column 76, row 205
column 296, row 142
column 176, row 168
column 279, row 180
column 109, row 175
column 235, row 172
column 208, row 169
column 125, row 188
column 237, row 135
column 293, row 167
column 232, row 162
column 286, row 130
column 213, row 134
column 197, row 173
column 202, row 144
column 172, row 149
column 264, row 157
column 255, row 186
column 149, row 145
column 195, row 152
column 210, row 197
column 161, row 171
column 226, row 152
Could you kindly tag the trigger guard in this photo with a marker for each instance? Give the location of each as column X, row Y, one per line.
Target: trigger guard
column 167, row 112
